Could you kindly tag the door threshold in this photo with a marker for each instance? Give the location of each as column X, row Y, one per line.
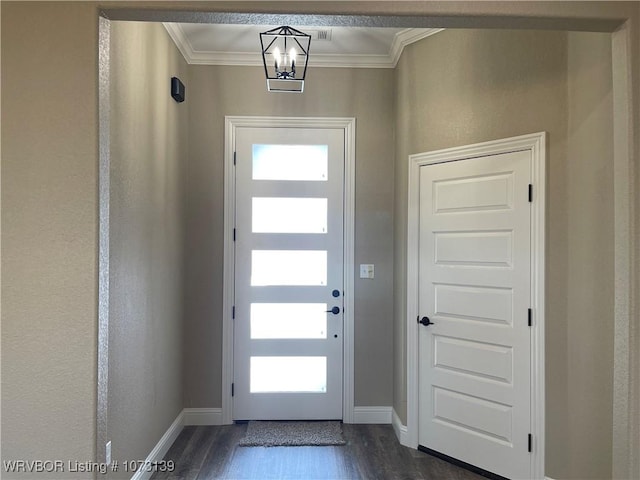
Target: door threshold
column 461, row 464
column 242, row 422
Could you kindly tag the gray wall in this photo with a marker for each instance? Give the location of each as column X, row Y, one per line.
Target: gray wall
column 467, row 86
column 49, row 206
column 585, row 343
column 49, row 232
column 365, row 94
column 148, row 163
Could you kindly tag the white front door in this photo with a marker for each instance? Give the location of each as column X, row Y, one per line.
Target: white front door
column 474, row 299
column 288, row 320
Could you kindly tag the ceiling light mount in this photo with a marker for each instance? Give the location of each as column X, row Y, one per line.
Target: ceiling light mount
column 285, row 56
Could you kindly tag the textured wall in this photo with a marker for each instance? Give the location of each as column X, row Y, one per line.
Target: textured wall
column 364, row 94
column 468, row 86
column 49, row 232
column 588, row 351
column 49, row 191
column 148, row 163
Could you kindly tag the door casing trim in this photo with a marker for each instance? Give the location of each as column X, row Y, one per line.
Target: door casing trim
column 536, row 144
column 348, row 125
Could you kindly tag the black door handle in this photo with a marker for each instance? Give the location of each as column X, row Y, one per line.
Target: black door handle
column 334, row 310
column 425, row 321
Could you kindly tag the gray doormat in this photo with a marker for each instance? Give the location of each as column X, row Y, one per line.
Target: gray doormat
column 274, row 434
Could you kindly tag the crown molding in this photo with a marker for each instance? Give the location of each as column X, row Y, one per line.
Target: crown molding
column 180, row 39
column 401, row 40
column 407, row 37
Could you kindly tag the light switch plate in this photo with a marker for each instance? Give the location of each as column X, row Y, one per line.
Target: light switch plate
column 366, row 271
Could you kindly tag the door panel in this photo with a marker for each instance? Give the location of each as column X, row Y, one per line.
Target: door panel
column 474, row 285
column 473, row 416
column 288, row 344
column 485, row 248
column 476, row 359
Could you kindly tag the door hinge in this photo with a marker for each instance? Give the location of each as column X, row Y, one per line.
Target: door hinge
column 530, row 443
column 234, row 234
column 530, row 317
column 233, row 391
column 530, row 192
column 233, row 312
column 234, row 158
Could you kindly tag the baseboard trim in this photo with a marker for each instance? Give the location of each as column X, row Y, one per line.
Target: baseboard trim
column 213, row 416
column 161, row 448
column 372, row 415
column 399, row 428
column 203, row 416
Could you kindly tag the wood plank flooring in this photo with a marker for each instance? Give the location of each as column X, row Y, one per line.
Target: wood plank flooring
column 372, row 452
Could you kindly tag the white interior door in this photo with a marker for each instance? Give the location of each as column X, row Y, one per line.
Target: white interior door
column 474, row 288
column 288, row 320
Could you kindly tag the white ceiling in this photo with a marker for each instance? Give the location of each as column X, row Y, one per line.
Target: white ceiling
column 208, row 44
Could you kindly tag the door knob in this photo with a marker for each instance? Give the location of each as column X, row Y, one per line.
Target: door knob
column 334, row 310
column 425, row 321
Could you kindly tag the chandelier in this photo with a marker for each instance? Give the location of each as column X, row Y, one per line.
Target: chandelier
column 285, row 55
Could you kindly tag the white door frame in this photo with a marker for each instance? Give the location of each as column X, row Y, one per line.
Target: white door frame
column 232, row 123
column 536, row 144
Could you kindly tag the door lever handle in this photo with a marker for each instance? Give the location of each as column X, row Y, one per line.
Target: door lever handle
column 334, row 310
column 425, row 321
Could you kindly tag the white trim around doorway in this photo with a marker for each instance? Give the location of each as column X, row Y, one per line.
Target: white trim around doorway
column 349, row 127
column 536, row 144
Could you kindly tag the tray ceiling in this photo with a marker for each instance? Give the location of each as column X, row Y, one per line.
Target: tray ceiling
column 364, row 47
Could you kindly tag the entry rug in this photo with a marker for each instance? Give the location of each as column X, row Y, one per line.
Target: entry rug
column 289, row 434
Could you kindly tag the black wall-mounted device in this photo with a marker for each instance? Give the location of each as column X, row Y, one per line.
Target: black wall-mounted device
column 177, row 89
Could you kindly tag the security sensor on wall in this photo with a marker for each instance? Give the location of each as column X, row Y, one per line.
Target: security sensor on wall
column 177, row 89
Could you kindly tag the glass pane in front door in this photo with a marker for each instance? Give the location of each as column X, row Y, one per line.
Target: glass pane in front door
column 282, row 162
column 288, row 320
column 288, row 374
column 289, row 215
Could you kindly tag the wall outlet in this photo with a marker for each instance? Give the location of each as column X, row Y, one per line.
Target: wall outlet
column 366, row 271
column 108, row 453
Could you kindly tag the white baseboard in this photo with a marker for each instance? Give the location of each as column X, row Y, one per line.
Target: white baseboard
column 372, row 414
column 202, row 416
column 401, row 433
column 213, row 416
column 400, row 429
column 188, row 416
column 162, row 447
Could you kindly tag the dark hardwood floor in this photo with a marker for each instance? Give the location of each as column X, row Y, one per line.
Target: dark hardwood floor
column 372, row 452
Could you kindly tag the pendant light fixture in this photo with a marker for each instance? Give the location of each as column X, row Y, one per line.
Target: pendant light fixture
column 285, row 55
